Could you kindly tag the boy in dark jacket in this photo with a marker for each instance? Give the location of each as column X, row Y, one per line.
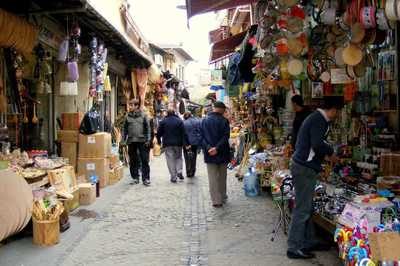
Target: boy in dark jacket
column 137, row 135
column 171, row 133
column 312, row 149
column 193, row 132
column 215, row 133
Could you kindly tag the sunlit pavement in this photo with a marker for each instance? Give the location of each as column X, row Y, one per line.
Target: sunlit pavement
column 167, row 224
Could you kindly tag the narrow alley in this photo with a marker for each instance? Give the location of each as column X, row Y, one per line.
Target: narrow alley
column 167, row 224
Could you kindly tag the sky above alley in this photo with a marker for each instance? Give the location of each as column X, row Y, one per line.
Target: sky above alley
column 162, row 22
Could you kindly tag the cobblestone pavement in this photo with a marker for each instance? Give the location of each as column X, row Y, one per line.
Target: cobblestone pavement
column 168, row 224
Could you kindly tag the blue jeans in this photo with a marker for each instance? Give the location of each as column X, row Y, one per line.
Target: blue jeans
column 301, row 232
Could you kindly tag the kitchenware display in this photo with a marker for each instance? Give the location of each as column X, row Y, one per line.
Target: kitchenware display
column 295, row 67
column 352, row 54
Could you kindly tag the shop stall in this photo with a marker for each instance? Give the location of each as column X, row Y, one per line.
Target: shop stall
column 345, row 50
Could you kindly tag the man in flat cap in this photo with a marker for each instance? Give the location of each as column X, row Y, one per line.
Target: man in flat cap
column 215, row 132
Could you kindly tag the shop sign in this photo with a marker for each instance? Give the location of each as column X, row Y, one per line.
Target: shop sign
column 50, row 38
column 216, row 77
column 131, row 30
column 339, row 76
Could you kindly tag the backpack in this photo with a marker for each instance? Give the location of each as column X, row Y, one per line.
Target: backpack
column 90, row 123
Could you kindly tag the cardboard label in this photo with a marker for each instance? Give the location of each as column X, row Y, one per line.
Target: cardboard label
column 90, row 166
column 91, row 140
column 339, row 76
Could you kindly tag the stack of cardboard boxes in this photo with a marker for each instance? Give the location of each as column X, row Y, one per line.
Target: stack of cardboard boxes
column 94, row 154
column 69, row 136
column 89, row 154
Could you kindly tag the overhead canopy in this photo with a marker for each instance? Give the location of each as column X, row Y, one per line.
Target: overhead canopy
column 195, row 7
column 226, row 47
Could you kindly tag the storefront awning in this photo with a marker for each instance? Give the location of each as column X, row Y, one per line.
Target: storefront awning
column 224, row 48
column 195, row 7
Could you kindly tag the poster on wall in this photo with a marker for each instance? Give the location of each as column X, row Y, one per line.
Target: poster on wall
column 317, row 90
column 216, row 77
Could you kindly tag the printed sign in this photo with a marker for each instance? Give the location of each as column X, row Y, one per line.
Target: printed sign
column 91, row 140
column 90, row 166
column 216, row 77
column 339, row 76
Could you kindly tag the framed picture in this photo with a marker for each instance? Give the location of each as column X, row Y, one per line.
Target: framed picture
column 317, row 90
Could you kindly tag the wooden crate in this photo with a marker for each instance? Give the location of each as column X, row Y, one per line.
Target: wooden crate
column 72, row 204
column 87, row 193
column 46, row 233
column 63, row 179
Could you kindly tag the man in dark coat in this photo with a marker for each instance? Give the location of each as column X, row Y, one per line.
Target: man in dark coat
column 215, row 133
column 193, row 132
column 312, row 149
column 301, row 114
column 171, row 133
column 137, row 133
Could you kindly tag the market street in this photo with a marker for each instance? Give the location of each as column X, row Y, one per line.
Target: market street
column 166, row 224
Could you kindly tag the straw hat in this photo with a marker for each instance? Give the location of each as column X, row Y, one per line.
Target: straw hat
column 288, row 3
column 357, row 33
column 338, row 56
column 325, row 76
column 295, row 67
column 352, row 55
column 391, row 10
column 295, row 46
column 295, row 24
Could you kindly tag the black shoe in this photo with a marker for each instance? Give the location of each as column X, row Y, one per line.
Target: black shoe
column 299, row 254
column 318, row 247
column 225, row 200
column 146, row 182
column 217, row 206
column 180, row 176
column 135, row 182
column 173, row 180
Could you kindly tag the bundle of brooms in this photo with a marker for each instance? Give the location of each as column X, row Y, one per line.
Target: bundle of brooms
column 41, row 212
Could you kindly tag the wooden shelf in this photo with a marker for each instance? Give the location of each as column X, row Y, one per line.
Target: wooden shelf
column 41, row 183
column 385, row 111
column 324, row 223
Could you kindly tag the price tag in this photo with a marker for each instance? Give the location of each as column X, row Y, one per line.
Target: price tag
column 91, row 140
column 90, row 166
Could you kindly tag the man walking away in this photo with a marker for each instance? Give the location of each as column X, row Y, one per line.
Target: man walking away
column 193, row 133
column 215, row 140
column 171, row 133
column 311, row 150
column 137, row 136
column 301, row 114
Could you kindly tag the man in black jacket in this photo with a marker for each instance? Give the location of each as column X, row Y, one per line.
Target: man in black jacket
column 137, row 134
column 215, row 132
column 312, row 149
column 171, row 133
column 301, row 114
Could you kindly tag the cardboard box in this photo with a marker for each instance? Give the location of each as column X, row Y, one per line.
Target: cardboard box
column 71, row 121
column 95, row 146
column 87, row 193
column 68, row 135
column 385, row 246
column 70, row 150
column 95, row 166
column 114, row 161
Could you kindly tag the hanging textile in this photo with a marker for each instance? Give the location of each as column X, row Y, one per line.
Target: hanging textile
column 17, row 33
column 142, row 78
